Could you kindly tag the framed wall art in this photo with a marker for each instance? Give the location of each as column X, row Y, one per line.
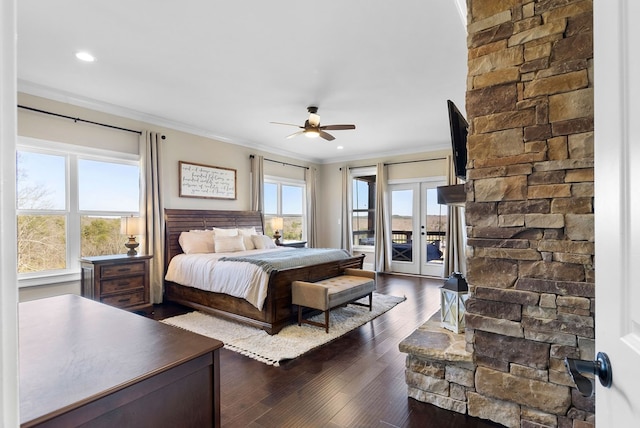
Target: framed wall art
column 206, row 181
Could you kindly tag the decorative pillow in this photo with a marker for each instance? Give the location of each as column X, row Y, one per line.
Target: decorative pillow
column 225, row 232
column 263, row 242
column 246, row 235
column 228, row 244
column 193, row 242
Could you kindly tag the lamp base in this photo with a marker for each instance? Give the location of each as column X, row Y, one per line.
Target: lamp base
column 132, row 245
column 277, row 236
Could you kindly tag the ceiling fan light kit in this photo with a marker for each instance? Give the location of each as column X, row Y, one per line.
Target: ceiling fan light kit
column 312, row 128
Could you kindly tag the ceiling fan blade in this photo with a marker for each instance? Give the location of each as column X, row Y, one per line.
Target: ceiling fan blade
column 338, row 127
column 288, row 124
column 325, row 135
column 295, row 134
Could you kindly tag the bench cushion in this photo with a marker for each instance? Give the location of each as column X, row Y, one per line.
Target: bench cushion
column 331, row 292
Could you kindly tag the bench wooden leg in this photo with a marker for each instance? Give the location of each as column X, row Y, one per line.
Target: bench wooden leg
column 326, row 320
column 299, row 315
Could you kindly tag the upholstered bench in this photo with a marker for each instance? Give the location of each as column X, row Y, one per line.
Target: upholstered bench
column 333, row 292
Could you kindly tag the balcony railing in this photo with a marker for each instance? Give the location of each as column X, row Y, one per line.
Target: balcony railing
column 366, row 237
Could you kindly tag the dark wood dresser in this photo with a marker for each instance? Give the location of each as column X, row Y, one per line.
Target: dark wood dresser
column 83, row 363
column 118, row 280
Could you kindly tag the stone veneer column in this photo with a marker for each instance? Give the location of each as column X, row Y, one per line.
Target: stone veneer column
column 529, row 209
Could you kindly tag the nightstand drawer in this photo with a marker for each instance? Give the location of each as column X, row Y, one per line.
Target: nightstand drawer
column 122, row 269
column 124, row 300
column 122, row 284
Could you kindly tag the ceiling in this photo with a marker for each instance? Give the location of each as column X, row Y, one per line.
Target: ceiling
column 225, row 70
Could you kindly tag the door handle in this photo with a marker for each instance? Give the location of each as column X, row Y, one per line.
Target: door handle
column 601, row 367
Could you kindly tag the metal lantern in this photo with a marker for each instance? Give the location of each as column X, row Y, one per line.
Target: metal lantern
column 453, row 296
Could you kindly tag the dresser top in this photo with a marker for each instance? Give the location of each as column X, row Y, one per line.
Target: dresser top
column 115, row 257
column 74, row 350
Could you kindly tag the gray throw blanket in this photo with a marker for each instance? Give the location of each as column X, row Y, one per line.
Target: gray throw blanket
column 279, row 260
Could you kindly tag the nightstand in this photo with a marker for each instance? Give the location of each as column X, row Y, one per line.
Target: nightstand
column 117, row 280
column 294, row 244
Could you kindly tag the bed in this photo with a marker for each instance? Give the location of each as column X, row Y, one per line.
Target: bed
column 276, row 311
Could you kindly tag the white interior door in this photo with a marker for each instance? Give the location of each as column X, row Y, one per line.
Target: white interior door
column 418, row 225
column 617, row 207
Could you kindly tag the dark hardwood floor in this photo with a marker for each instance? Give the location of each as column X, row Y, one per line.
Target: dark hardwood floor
column 354, row 381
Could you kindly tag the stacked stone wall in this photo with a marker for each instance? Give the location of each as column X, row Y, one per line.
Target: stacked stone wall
column 529, row 209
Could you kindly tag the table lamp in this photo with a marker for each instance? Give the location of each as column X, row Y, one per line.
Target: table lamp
column 131, row 226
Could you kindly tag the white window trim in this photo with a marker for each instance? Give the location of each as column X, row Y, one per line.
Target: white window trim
column 72, row 152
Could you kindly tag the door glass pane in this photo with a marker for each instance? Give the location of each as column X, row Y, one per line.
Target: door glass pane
column 108, row 186
column 436, row 222
column 42, row 243
column 402, row 225
column 41, row 181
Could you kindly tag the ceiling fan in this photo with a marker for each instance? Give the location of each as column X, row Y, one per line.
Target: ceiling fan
column 312, row 128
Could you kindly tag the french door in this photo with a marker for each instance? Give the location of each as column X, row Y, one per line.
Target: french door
column 418, row 228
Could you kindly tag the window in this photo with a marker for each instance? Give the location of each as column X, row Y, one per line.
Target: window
column 285, row 199
column 364, row 210
column 70, row 200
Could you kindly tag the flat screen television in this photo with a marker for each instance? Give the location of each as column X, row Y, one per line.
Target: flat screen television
column 459, row 128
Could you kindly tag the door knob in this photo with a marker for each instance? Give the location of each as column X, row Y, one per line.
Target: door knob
column 601, row 367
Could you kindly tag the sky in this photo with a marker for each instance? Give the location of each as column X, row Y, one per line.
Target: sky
column 103, row 186
column 402, row 202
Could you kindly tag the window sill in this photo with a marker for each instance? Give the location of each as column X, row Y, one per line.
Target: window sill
column 364, row 248
column 48, row 279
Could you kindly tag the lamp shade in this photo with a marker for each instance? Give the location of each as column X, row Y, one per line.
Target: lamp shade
column 277, row 223
column 131, row 226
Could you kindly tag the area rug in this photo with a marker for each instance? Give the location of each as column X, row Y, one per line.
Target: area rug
column 293, row 340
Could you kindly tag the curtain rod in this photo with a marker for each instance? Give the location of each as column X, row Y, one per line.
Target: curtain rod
column 77, row 119
column 397, row 163
column 282, row 163
column 412, row 161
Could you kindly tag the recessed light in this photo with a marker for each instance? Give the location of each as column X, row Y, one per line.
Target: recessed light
column 85, row 56
column 340, row 147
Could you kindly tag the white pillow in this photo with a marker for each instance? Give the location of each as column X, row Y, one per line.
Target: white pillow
column 263, row 242
column 193, row 242
column 228, row 244
column 246, row 235
column 225, row 232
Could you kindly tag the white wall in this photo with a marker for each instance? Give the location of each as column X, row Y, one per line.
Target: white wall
column 8, row 291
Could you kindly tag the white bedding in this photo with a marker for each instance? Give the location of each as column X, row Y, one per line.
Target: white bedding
column 238, row 279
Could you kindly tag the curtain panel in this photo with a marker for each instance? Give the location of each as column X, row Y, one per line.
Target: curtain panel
column 153, row 209
column 257, row 183
column 347, row 227
column 382, row 221
column 310, row 177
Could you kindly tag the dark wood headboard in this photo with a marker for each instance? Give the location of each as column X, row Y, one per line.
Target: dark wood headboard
column 177, row 221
